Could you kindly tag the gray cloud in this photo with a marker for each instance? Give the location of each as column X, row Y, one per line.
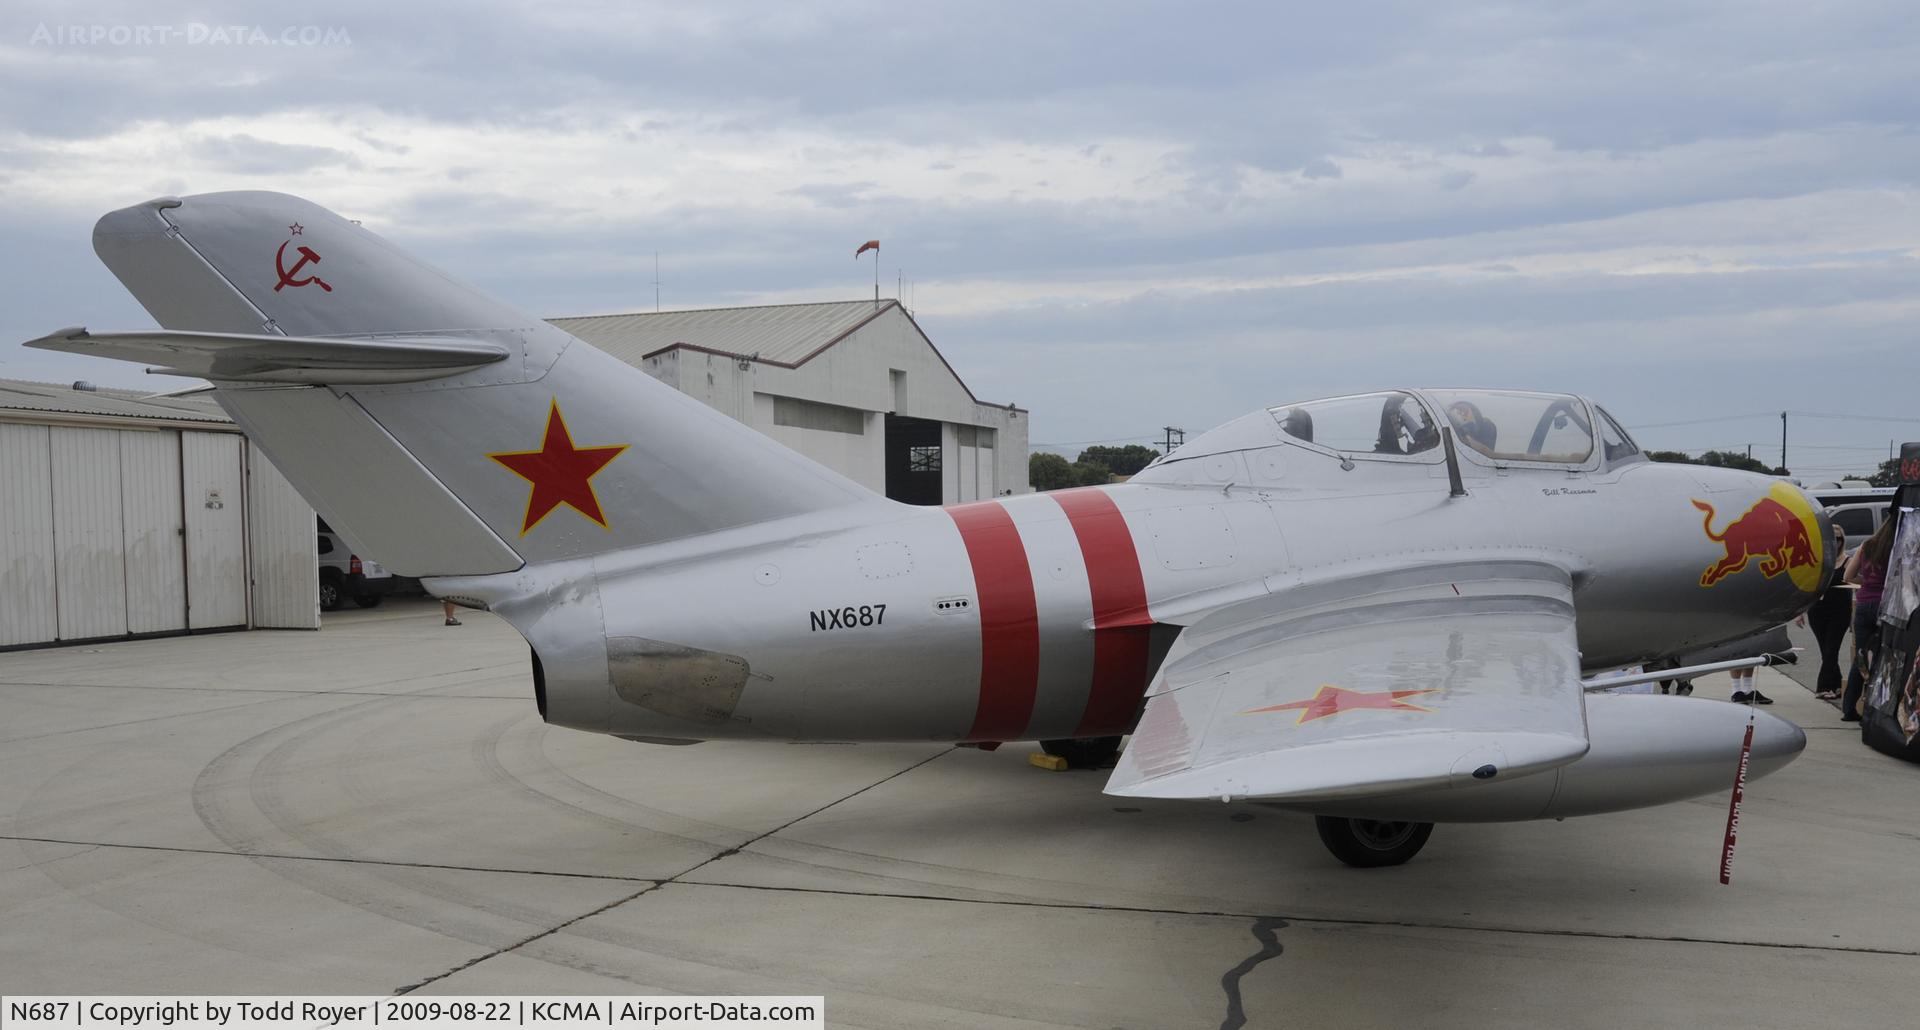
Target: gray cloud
column 1668, row 206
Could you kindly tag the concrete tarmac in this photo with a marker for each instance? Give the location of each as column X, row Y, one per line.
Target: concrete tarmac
column 377, row 808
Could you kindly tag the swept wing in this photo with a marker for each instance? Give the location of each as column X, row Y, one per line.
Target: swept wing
column 1423, row 677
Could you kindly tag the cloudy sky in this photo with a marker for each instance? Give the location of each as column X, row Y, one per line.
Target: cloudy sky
column 1117, row 215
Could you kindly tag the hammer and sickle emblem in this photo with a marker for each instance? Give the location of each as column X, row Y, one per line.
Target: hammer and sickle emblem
column 287, row 274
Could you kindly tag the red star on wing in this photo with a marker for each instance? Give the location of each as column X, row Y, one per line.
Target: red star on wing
column 560, row 473
column 1331, row 700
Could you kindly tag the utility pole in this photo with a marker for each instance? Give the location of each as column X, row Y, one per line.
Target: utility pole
column 1173, row 431
column 656, row 282
column 1783, row 440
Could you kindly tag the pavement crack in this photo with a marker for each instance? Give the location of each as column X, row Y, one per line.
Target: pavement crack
column 268, row 856
column 610, row 906
column 1359, row 921
column 476, row 960
column 1264, row 931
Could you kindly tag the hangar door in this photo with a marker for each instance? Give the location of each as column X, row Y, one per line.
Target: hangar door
column 123, row 532
column 213, row 481
column 27, row 613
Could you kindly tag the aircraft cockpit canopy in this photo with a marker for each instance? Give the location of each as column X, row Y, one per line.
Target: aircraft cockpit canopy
column 1394, row 422
column 1498, row 425
column 1515, row 426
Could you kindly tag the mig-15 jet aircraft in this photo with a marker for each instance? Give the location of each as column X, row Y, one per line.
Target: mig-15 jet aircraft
column 1378, row 609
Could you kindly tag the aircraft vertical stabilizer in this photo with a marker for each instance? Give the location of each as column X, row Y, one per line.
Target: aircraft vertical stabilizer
column 442, row 431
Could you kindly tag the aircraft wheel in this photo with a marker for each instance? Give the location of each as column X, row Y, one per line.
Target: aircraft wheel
column 1371, row 843
column 1085, row 753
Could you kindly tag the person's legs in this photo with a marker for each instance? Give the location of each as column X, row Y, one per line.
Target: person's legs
column 1866, row 636
column 1744, row 691
column 1830, row 630
column 447, row 607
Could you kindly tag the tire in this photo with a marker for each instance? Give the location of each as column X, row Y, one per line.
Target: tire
column 1371, row 843
column 331, row 596
column 1086, row 752
column 367, row 600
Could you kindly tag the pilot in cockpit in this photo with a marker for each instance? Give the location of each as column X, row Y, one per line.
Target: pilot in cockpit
column 1298, row 423
column 1471, row 426
column 1404, row 427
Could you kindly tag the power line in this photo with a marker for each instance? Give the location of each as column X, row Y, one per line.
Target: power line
column 1774, row 414
column 1729, row 448
column 1852, row 418
column 1104, row 439
column 1704, row 421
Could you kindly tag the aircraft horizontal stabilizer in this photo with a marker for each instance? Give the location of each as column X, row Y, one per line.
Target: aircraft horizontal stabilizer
column 240, row 357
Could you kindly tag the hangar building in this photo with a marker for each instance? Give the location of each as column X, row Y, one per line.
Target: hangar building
column 122, row 516
column 854, row 385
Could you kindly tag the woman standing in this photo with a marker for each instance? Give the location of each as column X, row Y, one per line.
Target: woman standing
column 1868, row 569
column 1829, row 618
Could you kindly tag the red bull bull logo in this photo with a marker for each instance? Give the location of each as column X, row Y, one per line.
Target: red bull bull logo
column 1779, row 532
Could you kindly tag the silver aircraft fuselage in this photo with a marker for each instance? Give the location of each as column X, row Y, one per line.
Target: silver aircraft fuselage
column 1044, row 615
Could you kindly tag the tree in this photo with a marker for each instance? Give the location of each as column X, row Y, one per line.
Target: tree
column 1888, row 474
column 1092, row 473
column 1047, row 471
column 1736, row 460
column 1718, row 459
column 1121, row 461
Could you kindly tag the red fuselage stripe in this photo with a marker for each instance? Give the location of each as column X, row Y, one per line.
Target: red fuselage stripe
column 1120, row 620
column 1009, row 621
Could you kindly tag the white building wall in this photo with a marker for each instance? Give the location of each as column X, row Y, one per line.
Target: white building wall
column 96, row 523
column 282, row 550
column 885, row 365
column 27, row 612
column 859, row 456
column 91, row 597
column 150, row 521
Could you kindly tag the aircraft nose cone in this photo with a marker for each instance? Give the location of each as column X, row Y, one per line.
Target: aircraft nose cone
column 1775, row 743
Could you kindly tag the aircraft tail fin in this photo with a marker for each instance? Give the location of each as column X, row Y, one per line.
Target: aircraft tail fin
column 441, row 431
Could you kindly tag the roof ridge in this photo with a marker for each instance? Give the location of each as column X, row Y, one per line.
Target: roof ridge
column 884, row 301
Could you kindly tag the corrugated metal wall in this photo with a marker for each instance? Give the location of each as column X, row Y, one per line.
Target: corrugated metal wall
column 108, row 532
column 281, row 542
column 87, row 537
column 215, row 500
column 26, row 537
column 151, row 522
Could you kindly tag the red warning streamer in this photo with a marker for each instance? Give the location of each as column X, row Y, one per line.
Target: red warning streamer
column 1733, row 809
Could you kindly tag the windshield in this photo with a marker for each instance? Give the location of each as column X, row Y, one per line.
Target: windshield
column 1620, row 448
column 1369, row 423
column 1514, row 426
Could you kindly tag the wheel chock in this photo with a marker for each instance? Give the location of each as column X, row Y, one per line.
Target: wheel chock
column 1051, row 763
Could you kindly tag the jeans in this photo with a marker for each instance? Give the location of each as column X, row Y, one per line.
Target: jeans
column 1866, row 640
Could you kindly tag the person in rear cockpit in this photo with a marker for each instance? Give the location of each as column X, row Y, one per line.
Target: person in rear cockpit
column 1476, row 429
